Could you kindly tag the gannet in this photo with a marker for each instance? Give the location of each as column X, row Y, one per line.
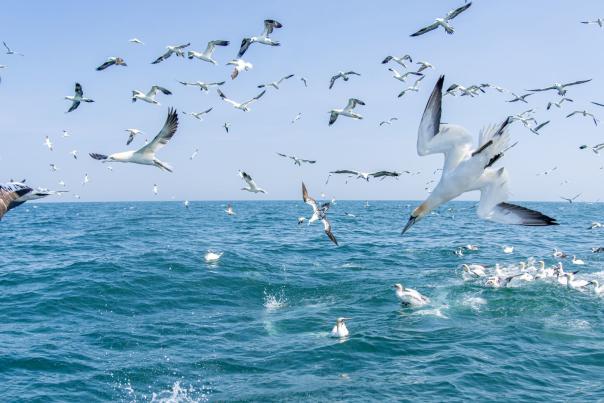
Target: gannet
column 409, row 296
column 186, row 204
column 403, row 77
column 194, row 154
column 559, row 103
column 86, row 180
column 521, row 98
column 48, row 143
column 444, row 22
column 226, row 126
column 118, row 61
column 400, row 60
column 149, row 96
column 467, row 169
column 131, row 134
column 9, row 51
column 474, row 270
column 596, row 149
column 508, row 249
column 319, row 213
column 206, row 55
column 146, row 154
column 251, row 185
column 366, row 175
column 155, row 189
column 77, row 98
column 387, row 122
column 244, row 106
column 584, row 113
column 301, row 220
column 570, row 199
column 305, row 81
column 340, row 329
column 229, row 210
column 178, row 50
column 275, row 84
column 213, row 256
column 423, row 66
column 297, row 117
column 297, row 161
column 347, row 111
column 53, row 167
column 198, row 115
column 413, row 88
column 578, row 262
column 598, row 22
column 343, row 75
column 269, row 26
column 240, row 65
column 572, row 283
column 559, row 254
column 202, row 86
column 136, row 41
column 74, row 153
column 13, row 194
column 598, row 289
column 595, row 225
column 561, row 88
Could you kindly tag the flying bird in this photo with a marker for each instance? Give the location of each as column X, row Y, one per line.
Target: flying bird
column 596, row 149
column 403, row 77
column 467, row 168
column 413, row 88
column 599, row 22
column 275, row 84
column 136, row 41
column 424, row 66
column 297, row 161
column 226, row 126
column 387, row 122
column 229, row 210
column 319, row 213
column 444, row 22
column 77, row 98
column 521, row 98
column 244, row 106
column 13, row 194
column 343, row 76
column 561, row 88
column 177, row 50
column 198, row 115
column 202, row 86
column 117, row 61
column 251, row 185
column 74, row 154
column 131, row 134
column 206, row 55
column 297, row 117
column 347, row 111
column 570, row 199
column 146, row 154
column 365, row 175
column 48, row 143
column 304, row 80
column 263, row 38
column 240, row 65
column 149, row 96
column 559, row 103
column 400, row 60
column 584, row 113
column 194, row 154
column 539, row 127
column 9, row 51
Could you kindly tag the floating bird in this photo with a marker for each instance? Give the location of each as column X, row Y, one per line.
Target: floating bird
column 340, row 329
column 48, row 143
column 202, row 86
column 297, row 161
column 77, row 98
column 131, row 134
column 9, row 51
column 400, row 60
column 403, row 77
column 240, row 66
column 206, row 55
column 572, row 283
column 559, row 103
column 13, row 194
column 387, row 122
column 570, row 199
column 596, row 149
column 226, row 126
column 198, row 115
column 117, row 61
column 499, row 281
column 576, row 261
column 229, row 210
column 319, row 213
column 561, row 88
column 212, row 256
column 269, row 26
column 275, row 84
column 595, row 225
column 598, row 289
column 409, row 296
column 598, row 22
column 597, row 250
column 584, row 113
column 467, row 169
column 146, row 154
column 558, row 254
column 521, row 98
column 178, row 50
column 414, row 88
column 444, row 22
column 136, row 41
column 347, row 111
column 343, row 76
column 244, row 106
column 251, row 185
column 508, row 249
column 297, row 117
column 149, row 96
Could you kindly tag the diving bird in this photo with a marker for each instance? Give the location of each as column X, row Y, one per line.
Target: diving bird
column 387, row 122
column 13, row 194
column 521, row 98
column 77, row 98
column 403, row 77
column 413, row 88
column 112, row 61
column 229, row 210
column 319, row 213
column 131, row 134
column 398, row 59
column 570, row 199
column 444, row 22
column 561, row 88
column 251, row 185
column 559, row 103
column 146, row 154
column 149, row 96
column 596, row 149
column 467, row 168
column 347, row 111
column 177, row 50
column 343, row 75
column 9, row 51
column 584, row 113
column 198, row 115
column 202, row 86
column 239, row 65
column 297, row 161
column 244, row 106
column 206, row 55
column 599, row 22
column 275, row 84
column 409, row 296
column 263, row 38
column 340, row 329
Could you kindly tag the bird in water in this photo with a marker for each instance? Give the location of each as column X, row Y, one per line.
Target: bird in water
column 340, row 329
column 409, row 296
column 213, row 256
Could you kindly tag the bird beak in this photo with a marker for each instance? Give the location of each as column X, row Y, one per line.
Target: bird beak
column 575, row 272
column 410, row 223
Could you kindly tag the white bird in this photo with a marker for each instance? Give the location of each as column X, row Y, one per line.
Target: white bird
column 521, row 98
column 131, row 134
column 297, row 161
column 186, row 204
column 194, row 154
column 595, row 225
column 146, row 154
column 413, row 88
column 149, row 96
column 578, row 262
column 400, row 60
column 474, row 270
column 155, row 189
column 343, row 75
column 572, row 283
column 599, row 22
column 424, row 66
column 275, row 84
column 240, row 65
column 319, row 212
column 198, row 115
column 244, row 106
column 53, row 168
column 263, row 38
column 467, row 169
column 229, row 210
column 558, row 254
column 66, row 133
column 598, row 289
column 9, row 51
column 347, row 111
column 77, row 98
column 410, row 297
column 444, row 22
column 177, row 50
column 596, row 149
column 251, row 185
column 117, row 61
column 86, row 180
column 365, row 175
column 559, row 103
column 340, row 329
column 74, row 153
column 48, row 143
column 387, row 122
column 207, row 54
column 213, row 256
column 584, row 113
column 297, row 117
column 508, row 249
column 301, row 220
column 202, row 86
column 561, row 88
column 500, row 281
column 403, row 77
column 136, row 41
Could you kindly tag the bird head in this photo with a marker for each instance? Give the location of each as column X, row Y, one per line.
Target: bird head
column 417, row 214
column 399, row 287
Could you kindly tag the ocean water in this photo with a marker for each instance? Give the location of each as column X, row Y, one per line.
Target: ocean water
column 114, row 301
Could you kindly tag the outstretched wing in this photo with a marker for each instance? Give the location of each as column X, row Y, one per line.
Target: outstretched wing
column 454, row 13
column 248, row 179
column 99, row 157
column 245, row 43
column 105, row 65
column 73, row 106
column 309, row 200
column 352, row 102
column 285, row 78
column 344, row 171
column 164, row 135
column 327, row 228
column 78, row 90
column 162, row 57
column 212, row 44
column 269, row 25
column 425, row 29
column 156, row 88
column 577, row 83
column 333, row 80
column 257, row 97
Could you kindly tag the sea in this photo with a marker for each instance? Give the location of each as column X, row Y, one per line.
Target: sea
column 115, row 302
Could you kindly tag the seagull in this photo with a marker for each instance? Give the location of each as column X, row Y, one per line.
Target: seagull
column 366, row 175
column 561, row 88
column 403, row 77
column 48, row 143
column 275, row 84
column 206, row 55
column 297, row 117
column 521, row 98
column 229, row 210
column 598, row 22
column 584, row 113
column 240, row 65
column 387, row 122
column 131, row 134
column 340, row 329
column 297, row 161
column 202, row 86
column 178, row 50
column 74, row 153
column 596, row 149
column 539, row 127
column 146, row 154
column 347, row 111
column 410, row 297
column 423, row 66
column 467, row 169
column 269, row 26
column 444, row 22
column 304, row 80
column 149, row 96
column 212, row 256
column 77, row 98
column 559, row 103
column 197, row 115
column 241, row 106
column 343, row 76
column 414, row 88
column 9, row 51
column 400, row 60
column 13, row 194
column 570, row 199
column 251, row 185
column 136, row 41
column 319, row 213
column 226, row 126
column 155, row 190
column 117, row 61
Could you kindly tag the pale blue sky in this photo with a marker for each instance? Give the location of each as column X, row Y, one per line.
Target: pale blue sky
column 515, row 44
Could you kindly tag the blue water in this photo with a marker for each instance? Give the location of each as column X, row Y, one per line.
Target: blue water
column 114, row 301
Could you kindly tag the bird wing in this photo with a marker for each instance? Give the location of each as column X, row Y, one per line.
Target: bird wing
column 541, row 126
column 327, row 228
column 130, row 138
column 597, row 103
column 212, row 44
column 576, row 83
column 105, row 65
column 344, row 171
column 182, row 46
column 156, row 88
column 283, row 155
column 332, row 118
column 245, row 43
column 6, row 46
column 248, row 179
column 73, row 106
column 379, row 174
column 352, row 102
column 354, row 73
column 541, row 89
column 164, row 135
column 269, row 25
column 207, row 111
column 454, row 13
column 163, row 57
column 257, row 97
column 425, row 29
column 8, row 197
column 285, row 78
column 572, row 113
column 99, row 157
column 78, row 90
column 309, row 200
column 333, row 80
column 308, row 161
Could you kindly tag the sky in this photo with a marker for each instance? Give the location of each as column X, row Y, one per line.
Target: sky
column 515, row 44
